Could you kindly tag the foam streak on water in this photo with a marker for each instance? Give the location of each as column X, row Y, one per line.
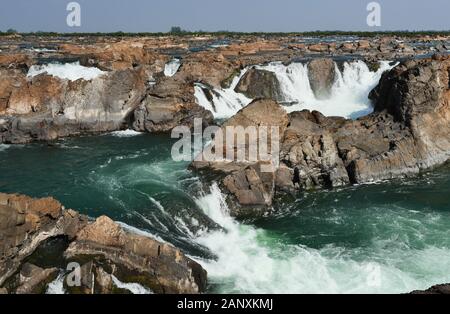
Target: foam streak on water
column 126, row 133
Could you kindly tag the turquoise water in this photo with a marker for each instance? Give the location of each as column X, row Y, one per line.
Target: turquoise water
column 386, row 237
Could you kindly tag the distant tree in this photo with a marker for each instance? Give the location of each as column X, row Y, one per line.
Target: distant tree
column 11, row 31
column 176, row 30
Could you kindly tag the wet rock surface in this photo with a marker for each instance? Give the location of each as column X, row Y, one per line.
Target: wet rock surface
column 102, row 248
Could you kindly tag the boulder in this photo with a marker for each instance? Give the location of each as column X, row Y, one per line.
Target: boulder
column 45, row 107
column 322, row 74
column 25, row 223
column 102, row 248
column 437, row 289
column 34, row 280
column 244, row 181
column 321, row 48
column 159, row 266
column 258, row 83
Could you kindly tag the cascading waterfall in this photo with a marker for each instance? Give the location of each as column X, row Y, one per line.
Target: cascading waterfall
column 349, row 93
column 225, row 101
column 171, row 68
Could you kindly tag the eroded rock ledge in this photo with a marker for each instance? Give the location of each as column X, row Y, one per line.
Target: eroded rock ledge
column 409, row 131
column 102, row 248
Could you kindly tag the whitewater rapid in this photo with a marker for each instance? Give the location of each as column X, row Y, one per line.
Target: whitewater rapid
column 250, row 260
column 380, row 238
column 348, row 98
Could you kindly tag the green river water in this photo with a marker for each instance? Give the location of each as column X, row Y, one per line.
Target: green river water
column 382, row 238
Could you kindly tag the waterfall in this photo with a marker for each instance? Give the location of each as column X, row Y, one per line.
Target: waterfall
column 349, row 92
column 70, row 71
column 171, row 67
column 225, row 101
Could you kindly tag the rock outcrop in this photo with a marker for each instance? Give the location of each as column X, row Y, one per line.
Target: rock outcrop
column 160, row 266
column 102, row 249
column 408, row 132
column 168, row 104
column 25, row 223
column 258, row 83
column 45, row 107
column 438, row 289
column 322, row 74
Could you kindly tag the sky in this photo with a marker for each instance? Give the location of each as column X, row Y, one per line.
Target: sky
column 215, row 15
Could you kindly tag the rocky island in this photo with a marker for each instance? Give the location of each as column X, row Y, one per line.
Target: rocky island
column 396, row 124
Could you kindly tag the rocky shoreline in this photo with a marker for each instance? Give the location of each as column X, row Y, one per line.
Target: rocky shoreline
column 101, row 248
column 408, row 132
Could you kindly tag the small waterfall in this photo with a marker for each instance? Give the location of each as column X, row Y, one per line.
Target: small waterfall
column 70, row 71
column 134, row 288
column 171, row 67
column 224, row 102
column 349, row 93
column 57, row 285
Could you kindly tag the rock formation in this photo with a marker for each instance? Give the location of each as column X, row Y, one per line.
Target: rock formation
column 408, row 132
column 322, row 74
column 258, row 83
column 438, row 289
column 102, row 249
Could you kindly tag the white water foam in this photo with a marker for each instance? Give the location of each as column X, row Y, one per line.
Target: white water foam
column 171, row 67
column 4, row 147
column 249, row 260
column 126, row 133
column 56, row 286
column 134, row 288
column 70, row 71
column 349, row 93
column 225, row 102
column 41, row 50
